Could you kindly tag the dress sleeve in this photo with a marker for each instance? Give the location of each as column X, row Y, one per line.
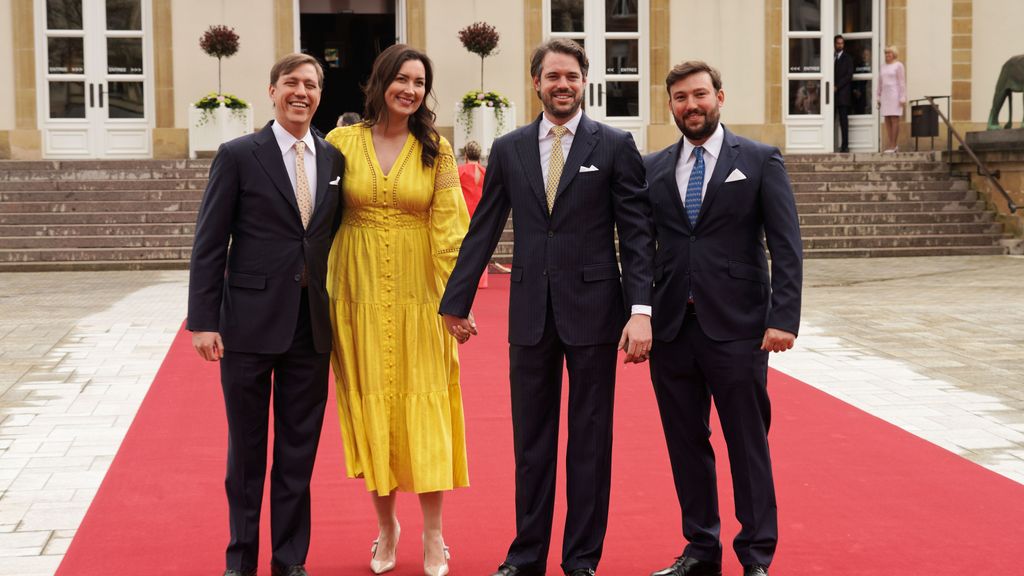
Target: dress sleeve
column 449, row 218
column 901, row 83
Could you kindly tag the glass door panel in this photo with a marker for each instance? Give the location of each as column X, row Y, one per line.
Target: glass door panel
column 808, row 79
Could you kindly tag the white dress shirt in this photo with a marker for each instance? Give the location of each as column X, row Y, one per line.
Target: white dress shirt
column 684, row 165
column 287, row 143
column 545, row 139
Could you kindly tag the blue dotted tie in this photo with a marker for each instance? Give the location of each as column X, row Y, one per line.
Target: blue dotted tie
column 694, row 186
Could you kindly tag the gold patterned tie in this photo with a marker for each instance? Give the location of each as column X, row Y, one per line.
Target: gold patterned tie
column 302, row 195
column 555, row 165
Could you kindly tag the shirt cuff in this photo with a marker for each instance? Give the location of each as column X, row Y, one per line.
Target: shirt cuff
column 641, row 309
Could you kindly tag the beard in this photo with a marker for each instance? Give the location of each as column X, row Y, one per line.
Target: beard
column 560, row 110
column 706, row 128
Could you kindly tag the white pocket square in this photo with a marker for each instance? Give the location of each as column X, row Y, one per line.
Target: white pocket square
column 590, row 168
column 334, row 182
column 736, row 176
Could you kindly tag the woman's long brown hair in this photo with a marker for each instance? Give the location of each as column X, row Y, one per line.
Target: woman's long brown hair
column 421, row 122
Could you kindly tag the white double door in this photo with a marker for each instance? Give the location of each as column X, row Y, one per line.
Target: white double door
column 808, row 65
column 95, row 78
column 615, row 35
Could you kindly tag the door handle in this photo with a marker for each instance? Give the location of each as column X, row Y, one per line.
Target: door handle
column 828, row 93
column 101, row 94
column 590, row 101
column 92, row 95
column 600, row 94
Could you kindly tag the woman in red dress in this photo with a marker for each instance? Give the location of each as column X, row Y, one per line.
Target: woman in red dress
column 471, row 175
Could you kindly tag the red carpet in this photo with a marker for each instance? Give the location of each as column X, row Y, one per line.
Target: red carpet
column 856, row 495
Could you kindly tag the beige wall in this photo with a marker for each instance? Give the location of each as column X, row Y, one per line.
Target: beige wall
column 246, row 74
column 929, row 57
column 456, row 70
column 728, row 35
column 6, row 68
column 997, row 25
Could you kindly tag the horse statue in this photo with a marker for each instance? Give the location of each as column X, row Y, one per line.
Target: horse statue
column 1011, row 79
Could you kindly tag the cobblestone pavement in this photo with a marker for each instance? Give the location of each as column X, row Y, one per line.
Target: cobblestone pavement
column 932, row 345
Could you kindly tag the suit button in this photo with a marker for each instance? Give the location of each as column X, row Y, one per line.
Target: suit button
column 298, row 277
column 544, row 273
column 551, row 233
column 693, row 239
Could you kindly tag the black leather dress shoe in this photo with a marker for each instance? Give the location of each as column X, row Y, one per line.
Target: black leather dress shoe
column 231, row 572
column 755, row 570
column 293, row 570
column 507, row 569
column 686, row 566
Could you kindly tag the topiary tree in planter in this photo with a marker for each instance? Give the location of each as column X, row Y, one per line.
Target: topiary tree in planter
column 481, row 39
column 220, row 42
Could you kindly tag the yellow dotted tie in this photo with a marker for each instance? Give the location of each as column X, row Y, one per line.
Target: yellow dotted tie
column 555, row 165
column 302, row 195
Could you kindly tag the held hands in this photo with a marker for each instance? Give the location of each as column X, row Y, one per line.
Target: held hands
column 209, row 345
column 636, row 339
column 460, row 328
column 776, row 340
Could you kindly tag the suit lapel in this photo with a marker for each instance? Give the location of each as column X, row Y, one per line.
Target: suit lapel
column 323, row 172
column 667, row 176
column 268, row 154
column 723, row 167
column 583, row 143
column 528, row 148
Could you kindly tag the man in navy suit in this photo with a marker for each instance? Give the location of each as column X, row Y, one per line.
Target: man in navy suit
column 570, row 183
column 843, row 77
column 717, row 313
column 258, row 304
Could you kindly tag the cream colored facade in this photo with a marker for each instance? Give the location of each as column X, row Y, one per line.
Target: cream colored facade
column 950, row 47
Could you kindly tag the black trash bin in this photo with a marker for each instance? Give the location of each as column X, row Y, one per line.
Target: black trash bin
column 924, row 121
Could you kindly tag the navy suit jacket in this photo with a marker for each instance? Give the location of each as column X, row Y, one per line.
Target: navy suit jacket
column 250, row 292
column 570, row 252
column 843, row 79
column 722, row 260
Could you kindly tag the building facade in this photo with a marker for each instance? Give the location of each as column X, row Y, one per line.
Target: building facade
column 115, row 78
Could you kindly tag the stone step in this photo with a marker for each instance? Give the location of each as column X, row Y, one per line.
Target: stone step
column 872, row 176
column 93, row 265
column 901, row 229
column 72, row 165
column 841, row 167
column 100, row 174
column 93, row 195
column 905, row 206
column 871, row 157
column 963, row 216
column 945, row 186
column 54, row 231
column 105, row 241
column 900, row 241
column 71, row 218
column 95, row 254
column 903, row 252
column 63, row 185
column 885, row 196
column 102, row 206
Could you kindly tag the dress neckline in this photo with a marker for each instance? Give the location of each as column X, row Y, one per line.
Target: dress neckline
column 406, row 148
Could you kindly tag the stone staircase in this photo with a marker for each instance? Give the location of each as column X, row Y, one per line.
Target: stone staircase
column 140, row 214
column 99, row 215
column 876, row 205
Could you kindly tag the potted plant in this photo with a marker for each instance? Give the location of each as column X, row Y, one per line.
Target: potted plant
column 482, row 115
column 218, row 117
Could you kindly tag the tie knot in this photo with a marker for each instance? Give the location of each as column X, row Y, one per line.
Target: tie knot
column 698, row 152
column 300, row 146
column 559, row 131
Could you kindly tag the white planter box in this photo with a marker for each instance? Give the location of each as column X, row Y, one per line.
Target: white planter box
column 484, row 127
column 222, row 125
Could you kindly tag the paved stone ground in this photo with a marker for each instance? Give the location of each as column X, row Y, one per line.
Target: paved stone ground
column 932, row 345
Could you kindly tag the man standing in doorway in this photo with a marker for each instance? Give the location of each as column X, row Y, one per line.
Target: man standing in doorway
column 717, row 314
column 843, row 91
column 571, row 183
column 257, row 302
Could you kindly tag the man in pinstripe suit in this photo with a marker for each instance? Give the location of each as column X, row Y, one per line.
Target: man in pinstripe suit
column 571, row 183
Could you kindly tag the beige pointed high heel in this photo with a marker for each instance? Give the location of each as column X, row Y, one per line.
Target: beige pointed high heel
column 441, row 570
column 382, row 566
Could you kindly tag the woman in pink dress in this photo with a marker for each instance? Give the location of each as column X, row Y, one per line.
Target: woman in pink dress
column 471, row 176
column 891, row 96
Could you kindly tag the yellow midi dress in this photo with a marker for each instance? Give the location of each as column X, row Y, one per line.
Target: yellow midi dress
column 396, row 367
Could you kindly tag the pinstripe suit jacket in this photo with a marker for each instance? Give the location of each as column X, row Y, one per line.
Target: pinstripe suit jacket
column 570, row 252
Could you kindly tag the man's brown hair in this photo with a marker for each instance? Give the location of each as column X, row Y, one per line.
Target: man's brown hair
column 689, row 68
column 562, row 46
column 292, row 61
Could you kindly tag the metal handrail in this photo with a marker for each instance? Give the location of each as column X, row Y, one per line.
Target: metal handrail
column 981, row 165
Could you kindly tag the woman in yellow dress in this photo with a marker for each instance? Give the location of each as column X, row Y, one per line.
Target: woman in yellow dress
column 397, row 368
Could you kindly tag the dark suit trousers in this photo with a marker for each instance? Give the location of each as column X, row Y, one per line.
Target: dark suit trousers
column 299, row 381
column 843, row 114
column 536, row 381
column 687, row 373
